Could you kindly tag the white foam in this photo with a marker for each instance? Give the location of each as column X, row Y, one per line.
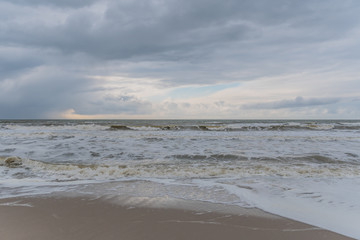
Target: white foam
column 330, row 204
column 16, row 204
column 162, row 169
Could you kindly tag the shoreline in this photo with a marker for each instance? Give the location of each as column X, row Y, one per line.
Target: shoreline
column 83, row 218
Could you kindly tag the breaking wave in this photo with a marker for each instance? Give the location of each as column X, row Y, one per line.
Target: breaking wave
column 238, row 127
column 229, row 167
column 186, row 125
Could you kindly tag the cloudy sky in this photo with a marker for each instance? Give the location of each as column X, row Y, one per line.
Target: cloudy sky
column 179, row 59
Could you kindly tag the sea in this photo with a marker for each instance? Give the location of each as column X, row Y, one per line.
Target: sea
column 306, row 170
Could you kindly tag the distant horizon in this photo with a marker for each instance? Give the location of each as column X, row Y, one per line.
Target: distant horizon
column 174, row 119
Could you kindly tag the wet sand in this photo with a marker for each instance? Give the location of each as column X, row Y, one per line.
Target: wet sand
column 84, row 219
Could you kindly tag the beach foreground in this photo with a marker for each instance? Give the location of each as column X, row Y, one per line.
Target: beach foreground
column 83, row 218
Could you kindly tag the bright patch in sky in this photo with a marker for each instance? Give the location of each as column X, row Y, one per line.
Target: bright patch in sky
column 183, row 93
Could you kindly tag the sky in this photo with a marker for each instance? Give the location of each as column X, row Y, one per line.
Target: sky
column 180, row 59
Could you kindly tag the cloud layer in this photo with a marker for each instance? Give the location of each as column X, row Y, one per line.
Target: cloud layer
column 179, row 59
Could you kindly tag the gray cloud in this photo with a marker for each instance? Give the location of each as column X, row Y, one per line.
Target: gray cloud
column 14, row 61
column 293, row 103
column 37, row 92
column 119, row 104
column 49, row 48
column 45, row 90
column 62, row 3
column 143, row 28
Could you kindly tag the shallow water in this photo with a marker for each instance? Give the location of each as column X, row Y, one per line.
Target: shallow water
column 306, row 170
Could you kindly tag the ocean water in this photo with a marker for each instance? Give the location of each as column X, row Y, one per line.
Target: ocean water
column 305, row 170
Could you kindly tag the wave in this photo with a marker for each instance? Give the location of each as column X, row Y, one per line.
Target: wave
column 119, row 127
column 165, row 127
column 283, row 127
column 11, row 162
column 297, row 160
column 214, row 157
column 205, row 168
column 186, row 125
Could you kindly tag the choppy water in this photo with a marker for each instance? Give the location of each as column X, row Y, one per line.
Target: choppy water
column 305, row 170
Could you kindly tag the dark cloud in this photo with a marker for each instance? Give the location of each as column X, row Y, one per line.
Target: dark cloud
column 143, row 28
column 293, row 103
column 61, row 3
column 39, row 91
column 11, row 68
column 15, row 61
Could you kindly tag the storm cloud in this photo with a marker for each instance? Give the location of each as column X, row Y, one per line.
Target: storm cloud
column 54, row 54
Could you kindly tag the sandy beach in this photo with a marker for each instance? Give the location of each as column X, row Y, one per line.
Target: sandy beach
column 84, row 219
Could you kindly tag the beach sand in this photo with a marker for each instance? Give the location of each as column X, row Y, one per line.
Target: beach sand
column 84, row 219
